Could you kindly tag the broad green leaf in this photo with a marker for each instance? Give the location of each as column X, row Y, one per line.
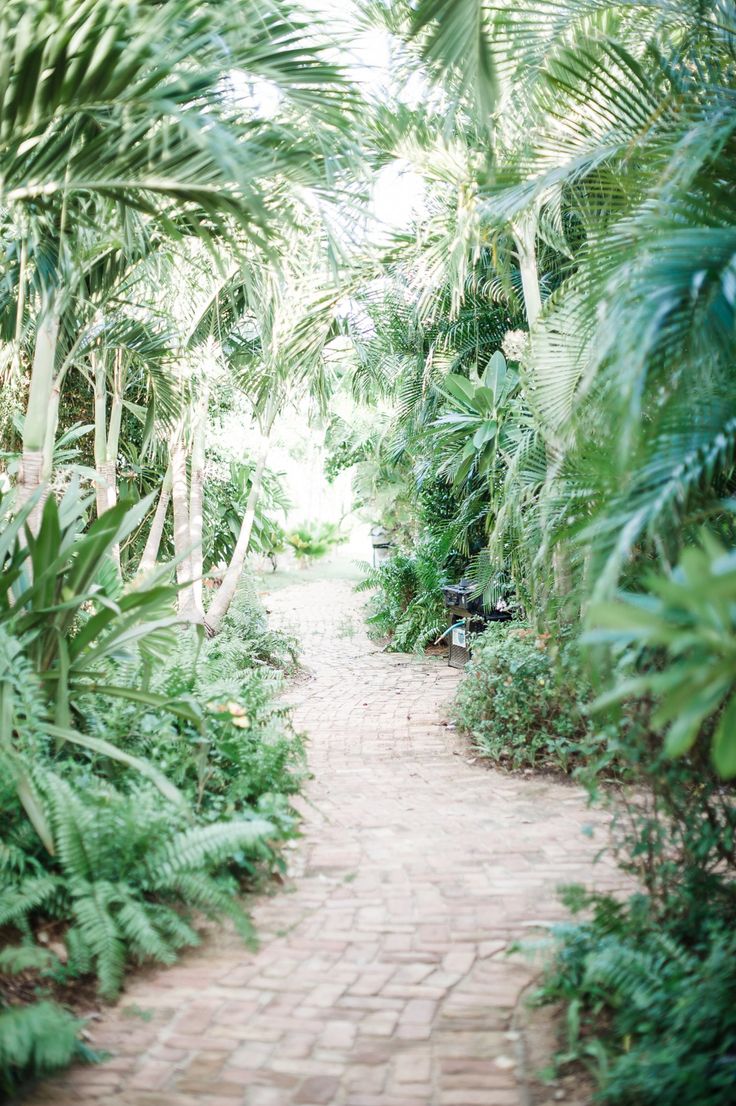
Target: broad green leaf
column 724, row 742
column 459, row 388
column 484, row 434
column 494, row 376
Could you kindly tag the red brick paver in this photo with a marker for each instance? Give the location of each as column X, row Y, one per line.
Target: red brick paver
column 381, row 977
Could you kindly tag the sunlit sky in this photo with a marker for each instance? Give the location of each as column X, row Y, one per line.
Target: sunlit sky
column 398, row 190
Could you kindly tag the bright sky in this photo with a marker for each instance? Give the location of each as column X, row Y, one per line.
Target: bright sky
column 398, row 190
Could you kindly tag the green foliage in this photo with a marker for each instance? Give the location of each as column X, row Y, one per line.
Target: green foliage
column 65, row 604
column 35, row 1039
column 523, row 701
column 674, row 830
column 126, row 869
column 472, row 429
column 654, row 1018
column 684, row 628
column 407, row 605
column 225, row 504
column 37, row 1035
column 245, row 755
column 313, row 540
column 247, row 640
column 648, row 984
column 122, row 864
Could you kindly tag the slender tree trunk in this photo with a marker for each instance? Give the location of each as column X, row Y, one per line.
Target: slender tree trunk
column 100, row 379
column 107, row 438
column 153, row 541
column 40, row 394
column 51, row 428
column 525, row 237
column 224, row 595
column 196, row 496
column 113, row 430
column 182, row 530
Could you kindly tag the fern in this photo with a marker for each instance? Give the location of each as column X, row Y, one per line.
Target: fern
column 22, row 958
column 34, row 1040
column 37, row 1038
column 21, row 901
column 196, row 847
column 98, row 928
column 139, row 927
column 408, row 603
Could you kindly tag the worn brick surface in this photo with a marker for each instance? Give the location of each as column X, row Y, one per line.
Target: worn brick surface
column 381, row 977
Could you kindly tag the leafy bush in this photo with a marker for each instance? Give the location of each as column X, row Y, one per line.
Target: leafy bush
column 246, row 639
column 37, row 1036
column 225, row 503
column 119, row 864
column 407, row 604
column 312, row 540
column 686, row 623
column 126, row 874
column 649, row 984
column 522, row 700
column 655, row 1018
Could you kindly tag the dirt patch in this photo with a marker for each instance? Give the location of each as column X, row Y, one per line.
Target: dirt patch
column 542, row 1032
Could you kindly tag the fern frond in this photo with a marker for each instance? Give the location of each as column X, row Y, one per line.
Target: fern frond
column 98, row 927
column 36, row 1039
column 18, row 903
column 194, row 848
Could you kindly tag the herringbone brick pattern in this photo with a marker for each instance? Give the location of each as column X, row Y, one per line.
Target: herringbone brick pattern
column 381, row 978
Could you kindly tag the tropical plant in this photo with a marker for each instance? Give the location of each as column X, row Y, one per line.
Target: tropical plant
column 312, row 540
column 648, row 1015
column 524, row 702
column 684, row 633
column 35, row 1037
column 408, row 604
column 471, row 428
column 125, row 867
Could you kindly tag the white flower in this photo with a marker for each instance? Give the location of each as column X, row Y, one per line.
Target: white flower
column 514, row 344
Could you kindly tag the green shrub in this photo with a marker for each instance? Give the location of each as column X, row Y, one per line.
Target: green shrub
column 146, row 772
column 522, row 701
column 312, row 540
column 654, row 1018
column 247, row 640
column 36, row 1036
column 407, row 605
column 127, row 872
column 649, row 984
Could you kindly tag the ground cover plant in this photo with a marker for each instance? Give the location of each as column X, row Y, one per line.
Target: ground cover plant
column 407, row 604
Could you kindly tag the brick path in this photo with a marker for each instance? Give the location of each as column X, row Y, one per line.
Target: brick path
column 381, row 978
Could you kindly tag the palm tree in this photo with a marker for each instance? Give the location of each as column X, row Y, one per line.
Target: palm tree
column 112, row 107
column 281, row 359
column 629, row 145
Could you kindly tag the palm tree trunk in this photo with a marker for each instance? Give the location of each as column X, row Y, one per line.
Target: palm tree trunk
column 525, row 237
column 153, row 541
column 51, row 428
column 113, row 430
column 224, row 595
column 182, row 531
column 100, row 379
column 40, row 397
column 196, row 496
